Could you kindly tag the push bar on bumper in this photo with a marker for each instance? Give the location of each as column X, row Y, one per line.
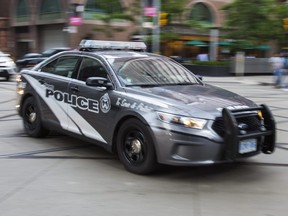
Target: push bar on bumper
column 265, row 135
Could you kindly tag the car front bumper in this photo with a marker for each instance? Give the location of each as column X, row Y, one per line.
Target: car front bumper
column 176, row 148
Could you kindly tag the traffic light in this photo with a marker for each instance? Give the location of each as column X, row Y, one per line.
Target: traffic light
column 164, row 19
column 285, row 24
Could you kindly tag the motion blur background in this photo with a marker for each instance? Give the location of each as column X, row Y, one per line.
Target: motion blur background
column 182, row 28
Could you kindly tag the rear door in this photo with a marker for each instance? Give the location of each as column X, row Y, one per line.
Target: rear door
column 53, row 80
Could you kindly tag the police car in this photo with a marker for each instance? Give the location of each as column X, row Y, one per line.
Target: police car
column 148, row 108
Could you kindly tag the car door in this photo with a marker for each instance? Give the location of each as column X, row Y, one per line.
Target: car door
column 55, row 77
column 90, row 115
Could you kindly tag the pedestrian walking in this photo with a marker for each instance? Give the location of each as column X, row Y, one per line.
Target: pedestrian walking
column 277, row 66
column 285, row 69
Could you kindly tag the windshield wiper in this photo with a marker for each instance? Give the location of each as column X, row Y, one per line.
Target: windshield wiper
column 159, row 84
column 186, row 83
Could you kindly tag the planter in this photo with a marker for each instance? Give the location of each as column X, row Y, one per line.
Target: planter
column 208, row 70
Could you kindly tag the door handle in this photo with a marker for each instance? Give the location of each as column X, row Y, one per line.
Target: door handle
column 74, row 88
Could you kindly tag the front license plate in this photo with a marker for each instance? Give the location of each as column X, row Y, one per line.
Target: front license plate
column 246, row 146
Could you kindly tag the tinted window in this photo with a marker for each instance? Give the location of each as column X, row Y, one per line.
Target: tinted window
column 63, row 66
column 91, row 68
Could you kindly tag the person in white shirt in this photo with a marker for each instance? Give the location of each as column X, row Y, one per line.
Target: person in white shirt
column 277, row 64
column 202, row 57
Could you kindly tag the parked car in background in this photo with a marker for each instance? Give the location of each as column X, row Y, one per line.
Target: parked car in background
column 31, row 59
column 7, row 66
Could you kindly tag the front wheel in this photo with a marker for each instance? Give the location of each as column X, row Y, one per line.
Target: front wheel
column 135, row 147
column 32, row 119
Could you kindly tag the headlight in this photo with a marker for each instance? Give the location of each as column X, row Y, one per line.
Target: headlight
column 189, row 122
column 20, row 85
column 18, row 78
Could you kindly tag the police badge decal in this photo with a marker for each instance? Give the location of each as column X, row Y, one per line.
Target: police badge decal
column 105, row 103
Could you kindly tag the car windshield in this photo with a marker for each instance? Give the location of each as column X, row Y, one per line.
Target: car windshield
column 152, row 71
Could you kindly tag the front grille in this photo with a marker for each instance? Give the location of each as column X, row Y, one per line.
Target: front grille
column 253, row 124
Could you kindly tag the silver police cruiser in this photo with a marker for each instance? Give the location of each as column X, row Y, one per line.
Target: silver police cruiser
column 148, row 108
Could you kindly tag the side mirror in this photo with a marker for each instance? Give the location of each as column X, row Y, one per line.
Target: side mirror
column 99, row 82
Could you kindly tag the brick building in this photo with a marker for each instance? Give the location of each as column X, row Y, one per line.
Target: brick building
column 4, row 26
column 36, row 25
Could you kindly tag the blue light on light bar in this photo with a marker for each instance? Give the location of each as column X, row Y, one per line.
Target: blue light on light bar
column 112, row 45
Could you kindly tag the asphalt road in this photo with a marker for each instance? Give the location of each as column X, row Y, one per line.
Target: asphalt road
column 63, row 176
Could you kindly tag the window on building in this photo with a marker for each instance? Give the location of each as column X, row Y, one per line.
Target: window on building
column 22, row 11
column 101, row 8
column 50, row 9
column 200, row 12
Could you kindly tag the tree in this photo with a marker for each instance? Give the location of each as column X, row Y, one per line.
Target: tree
column 255, row 20
column 108, row 12
column 174, row 8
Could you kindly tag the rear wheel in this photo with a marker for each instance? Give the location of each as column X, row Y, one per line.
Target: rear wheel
column 135, row 147
column 32, row 119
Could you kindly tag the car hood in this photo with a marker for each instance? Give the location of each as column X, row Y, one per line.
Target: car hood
column 196, row 100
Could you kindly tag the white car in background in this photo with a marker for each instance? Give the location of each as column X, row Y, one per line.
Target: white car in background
column 7, row 66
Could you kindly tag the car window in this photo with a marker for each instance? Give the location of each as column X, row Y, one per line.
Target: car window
column 91, row 68
column 63, row 66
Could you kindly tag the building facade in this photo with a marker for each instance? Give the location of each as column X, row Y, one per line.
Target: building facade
column 4, row 26
column 36, row 25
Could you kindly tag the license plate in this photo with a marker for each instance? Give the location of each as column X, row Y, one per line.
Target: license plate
column 246, row 146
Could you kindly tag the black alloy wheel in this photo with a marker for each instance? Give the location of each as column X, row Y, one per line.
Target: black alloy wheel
column 135, row 147
column 32, row 119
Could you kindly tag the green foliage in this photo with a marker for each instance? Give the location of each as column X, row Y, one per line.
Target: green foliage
column 173, row 7
column 255, row 20
column 111, row 11
column 169, row 36
column 199, row 26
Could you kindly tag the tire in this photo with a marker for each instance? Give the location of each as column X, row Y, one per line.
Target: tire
column 135, row 147
column 32, row 119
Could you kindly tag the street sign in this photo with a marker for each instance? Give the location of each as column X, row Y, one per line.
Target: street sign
column 76, row 20
column 150, row 11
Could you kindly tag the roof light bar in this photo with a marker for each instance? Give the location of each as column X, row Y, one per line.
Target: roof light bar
column 112, row 45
